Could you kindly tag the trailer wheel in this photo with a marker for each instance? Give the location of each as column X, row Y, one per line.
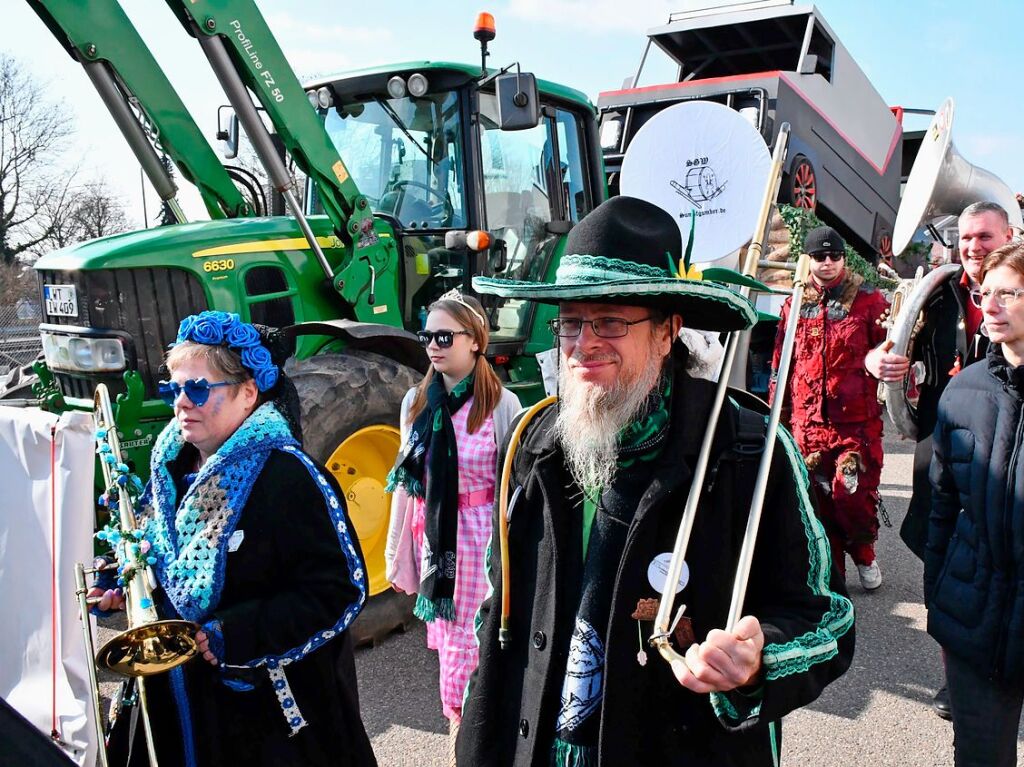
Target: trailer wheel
column 802, row 184
column 350, row 411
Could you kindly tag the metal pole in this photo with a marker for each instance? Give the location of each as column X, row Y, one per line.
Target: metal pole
column 148, row 725
column 142, row 188
column 90, row 649
column 133, row 133
column 238, row 95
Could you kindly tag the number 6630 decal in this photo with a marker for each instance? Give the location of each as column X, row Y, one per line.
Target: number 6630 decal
column 219, row 265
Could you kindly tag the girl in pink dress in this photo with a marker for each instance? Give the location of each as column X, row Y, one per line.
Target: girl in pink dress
column 443, row 481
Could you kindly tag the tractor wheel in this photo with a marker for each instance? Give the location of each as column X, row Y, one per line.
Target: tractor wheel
column 801, row 185
column 350, row 412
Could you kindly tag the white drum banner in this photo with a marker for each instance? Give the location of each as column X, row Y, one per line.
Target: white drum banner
column 28, row 549
column 704, row 158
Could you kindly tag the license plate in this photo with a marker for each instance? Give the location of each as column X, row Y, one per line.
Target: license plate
column 60, row 300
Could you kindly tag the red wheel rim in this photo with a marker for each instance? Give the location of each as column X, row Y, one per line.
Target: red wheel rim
column 805, row 186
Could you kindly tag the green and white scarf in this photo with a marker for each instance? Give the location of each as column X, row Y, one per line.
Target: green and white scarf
column 428, row 468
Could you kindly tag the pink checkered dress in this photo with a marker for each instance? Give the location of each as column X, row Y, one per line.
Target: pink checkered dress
column 455, row 641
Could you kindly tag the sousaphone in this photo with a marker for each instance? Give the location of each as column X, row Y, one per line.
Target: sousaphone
column 941, row 184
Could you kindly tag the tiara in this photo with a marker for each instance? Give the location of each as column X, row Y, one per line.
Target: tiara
column 456, row 296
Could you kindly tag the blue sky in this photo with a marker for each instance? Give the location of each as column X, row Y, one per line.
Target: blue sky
column 916, row 53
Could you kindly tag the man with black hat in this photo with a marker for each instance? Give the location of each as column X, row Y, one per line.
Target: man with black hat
column 598, row 484
column 832, row 399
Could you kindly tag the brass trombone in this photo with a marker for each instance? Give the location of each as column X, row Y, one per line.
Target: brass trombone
column 664, row 622
column 149, row 645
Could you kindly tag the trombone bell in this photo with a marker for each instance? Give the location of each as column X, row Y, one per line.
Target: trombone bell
column 151, row 648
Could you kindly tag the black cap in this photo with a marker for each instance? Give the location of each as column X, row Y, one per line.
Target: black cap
column 824, row 239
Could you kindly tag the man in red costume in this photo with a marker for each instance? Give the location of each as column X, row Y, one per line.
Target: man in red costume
column 834, row 411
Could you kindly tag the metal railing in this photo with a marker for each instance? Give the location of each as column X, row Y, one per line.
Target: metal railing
column 19, row 334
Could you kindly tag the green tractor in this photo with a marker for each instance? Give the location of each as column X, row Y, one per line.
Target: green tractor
column 419, row 176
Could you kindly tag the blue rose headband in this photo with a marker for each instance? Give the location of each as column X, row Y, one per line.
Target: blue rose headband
column 227, row 329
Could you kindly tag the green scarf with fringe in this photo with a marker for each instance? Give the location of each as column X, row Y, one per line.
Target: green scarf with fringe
column 428, row 468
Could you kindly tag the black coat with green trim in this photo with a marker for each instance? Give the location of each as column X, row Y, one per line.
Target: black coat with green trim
column 646, row 716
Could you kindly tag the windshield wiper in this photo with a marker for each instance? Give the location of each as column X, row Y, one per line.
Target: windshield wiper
column 401, row 126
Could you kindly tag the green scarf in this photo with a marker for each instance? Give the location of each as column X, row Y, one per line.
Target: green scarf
column 428, row 468
column 607, row 515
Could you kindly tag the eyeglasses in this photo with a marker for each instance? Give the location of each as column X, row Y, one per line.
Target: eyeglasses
column 820, row 257
column 443, row 338
column 197, row 390
column 1004, row 296
column 603, row 327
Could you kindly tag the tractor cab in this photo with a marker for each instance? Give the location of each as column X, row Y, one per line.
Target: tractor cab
column 465, row 196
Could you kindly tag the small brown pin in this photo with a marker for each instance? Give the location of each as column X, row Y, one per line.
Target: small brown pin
column 646, row 610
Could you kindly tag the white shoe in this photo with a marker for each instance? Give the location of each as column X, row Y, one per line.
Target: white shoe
column 870, row 576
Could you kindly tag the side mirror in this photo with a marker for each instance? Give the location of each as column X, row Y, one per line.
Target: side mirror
column 809, row 65
column 497, row 257
column 518, row 101
column 229, row 137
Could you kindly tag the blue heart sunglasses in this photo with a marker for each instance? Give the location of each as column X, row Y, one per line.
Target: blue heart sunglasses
column 197, row 390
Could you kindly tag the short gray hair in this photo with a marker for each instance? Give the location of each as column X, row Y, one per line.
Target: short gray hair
column 980, row 208
column 221, row 359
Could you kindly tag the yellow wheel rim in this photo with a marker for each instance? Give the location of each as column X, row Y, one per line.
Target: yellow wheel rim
column 361, row 464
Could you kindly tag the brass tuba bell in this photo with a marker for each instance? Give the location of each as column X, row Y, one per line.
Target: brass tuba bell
column 149, row 645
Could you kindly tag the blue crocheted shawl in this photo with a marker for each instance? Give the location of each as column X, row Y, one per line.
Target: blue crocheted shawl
column 190, row 537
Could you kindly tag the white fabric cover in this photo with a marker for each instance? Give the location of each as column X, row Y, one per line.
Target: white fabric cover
column 25, row 570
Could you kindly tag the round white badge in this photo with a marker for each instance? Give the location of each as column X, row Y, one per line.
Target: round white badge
column 657, row 573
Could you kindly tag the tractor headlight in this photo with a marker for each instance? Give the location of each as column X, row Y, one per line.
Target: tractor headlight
column 396, row 87
column 418, row 85
column 324, row 97
column 82, row 354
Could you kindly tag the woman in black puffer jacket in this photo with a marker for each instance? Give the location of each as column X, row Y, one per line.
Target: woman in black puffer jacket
column 974, row 561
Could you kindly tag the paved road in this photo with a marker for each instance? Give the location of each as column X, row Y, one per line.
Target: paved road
column 878, row 715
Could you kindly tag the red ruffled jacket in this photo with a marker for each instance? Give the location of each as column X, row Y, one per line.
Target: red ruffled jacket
column 828, row 383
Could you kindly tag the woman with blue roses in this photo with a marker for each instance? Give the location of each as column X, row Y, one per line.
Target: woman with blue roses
column 249, row 538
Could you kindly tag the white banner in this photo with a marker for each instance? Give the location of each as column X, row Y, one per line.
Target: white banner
column 30, row 513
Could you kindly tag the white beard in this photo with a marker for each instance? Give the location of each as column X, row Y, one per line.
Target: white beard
column 591, row 417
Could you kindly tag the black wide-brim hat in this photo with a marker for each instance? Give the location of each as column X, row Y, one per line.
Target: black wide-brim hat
column 627, row 251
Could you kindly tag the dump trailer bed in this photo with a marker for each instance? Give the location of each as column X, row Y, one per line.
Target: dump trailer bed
column 780, row 63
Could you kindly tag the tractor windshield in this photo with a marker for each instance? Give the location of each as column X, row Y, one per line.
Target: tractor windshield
column 406, row 156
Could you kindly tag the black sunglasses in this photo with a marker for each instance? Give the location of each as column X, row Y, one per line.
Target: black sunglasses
column 820, row 257
column 197, row 390
column 444, row 338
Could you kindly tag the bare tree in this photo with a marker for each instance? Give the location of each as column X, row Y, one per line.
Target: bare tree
column 70, row 213
column 54, row 216
column 97, row 213
column 32, row 127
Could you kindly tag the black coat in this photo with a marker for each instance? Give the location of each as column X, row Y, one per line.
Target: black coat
column 941, row 340
column 287, row 581
column 647, row 717
column 974, row 562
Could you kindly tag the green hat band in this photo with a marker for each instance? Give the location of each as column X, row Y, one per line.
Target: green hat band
column 587, row 270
